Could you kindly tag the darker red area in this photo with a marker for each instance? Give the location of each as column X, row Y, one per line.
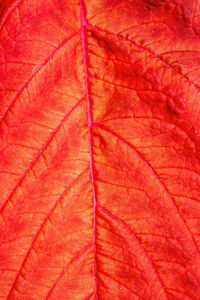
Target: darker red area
column 4, row 5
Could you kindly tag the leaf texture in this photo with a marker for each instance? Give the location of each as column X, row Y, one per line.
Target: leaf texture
column 99, row 149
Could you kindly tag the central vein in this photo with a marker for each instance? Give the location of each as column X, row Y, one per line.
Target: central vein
column 89, row 118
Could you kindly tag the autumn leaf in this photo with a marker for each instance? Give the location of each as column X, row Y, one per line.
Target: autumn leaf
column 100, row 149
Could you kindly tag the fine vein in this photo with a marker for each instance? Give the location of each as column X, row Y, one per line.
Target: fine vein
column 35, row 72
column 39, row 154
column 123, row 224
column 40, row 229
column 75, row 258
column 156, row 176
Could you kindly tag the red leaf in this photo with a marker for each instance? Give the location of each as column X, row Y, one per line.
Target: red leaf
column 100, row 149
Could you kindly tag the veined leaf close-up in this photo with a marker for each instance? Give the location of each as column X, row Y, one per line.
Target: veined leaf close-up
column 100, row 149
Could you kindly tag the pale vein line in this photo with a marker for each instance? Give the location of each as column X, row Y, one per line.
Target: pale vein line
column 40, row 229
column 35, row 73
column 38, row 155
column 183, row 168
column 175, row 124
column 108, row 213
column 120, row 283
column 89, row 118
column 89, row 296
column 156, row 175
column 147, row 51
column 9, row 11
column 77, row 256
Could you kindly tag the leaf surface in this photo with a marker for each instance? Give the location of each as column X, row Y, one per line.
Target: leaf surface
column 99, row 149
